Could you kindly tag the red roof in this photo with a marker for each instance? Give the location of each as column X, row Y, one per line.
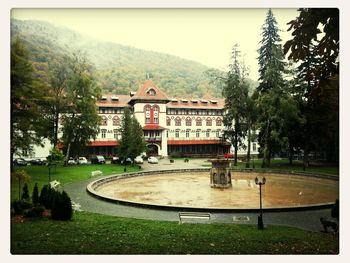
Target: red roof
column 144, row 93
column 103, row 143
column 186, row 142
column 119, row 101
column 153, row 127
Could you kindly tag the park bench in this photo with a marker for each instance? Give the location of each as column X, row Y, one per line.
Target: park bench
column 55, row 184
column 193, row 215
column 96, row 173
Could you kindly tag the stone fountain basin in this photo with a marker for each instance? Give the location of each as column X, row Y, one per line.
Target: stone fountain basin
column 190, row 188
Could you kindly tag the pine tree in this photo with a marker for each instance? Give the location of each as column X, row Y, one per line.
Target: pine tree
column 35, row 195
column 25, row 192
column 137, row 141
column 236, row 93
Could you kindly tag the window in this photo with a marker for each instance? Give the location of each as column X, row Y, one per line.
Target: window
column 168, row 121
column 155, row 114
column 198, row 121
column 188, row 121
column 103, row 133
column 207, row 134
column 167, row 134
column 177, row 133
column 188, row 133
column 198, row 133
column 157, row 133
column 254, row 146
column 218, row 133
column 177, row 121
column 151, row 92
column 116, row 121
column 147, row 110
column 218, row 122
column 104, row 121
column 115, row 134
column 208, row 123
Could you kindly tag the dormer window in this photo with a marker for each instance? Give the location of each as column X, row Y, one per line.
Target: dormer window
column 151, row 92
column 115, row 98
column 104, row 98
column 184, row 100
column 214, row 101
column 204, row 101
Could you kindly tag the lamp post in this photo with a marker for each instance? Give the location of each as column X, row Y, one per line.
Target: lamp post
column 260, row 217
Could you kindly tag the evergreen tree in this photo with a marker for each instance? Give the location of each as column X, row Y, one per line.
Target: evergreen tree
column 271, row 69
column 25, row 192
column 35, row 195
column 137, row 141
column 236, row 93
column 126, row 134
column 62, row 207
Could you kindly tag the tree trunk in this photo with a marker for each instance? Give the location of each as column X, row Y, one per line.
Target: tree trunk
column 306, row 156
column 247, row 165
column 55, row 138
column 67, row 154
column 236, row 146
column 291, row 153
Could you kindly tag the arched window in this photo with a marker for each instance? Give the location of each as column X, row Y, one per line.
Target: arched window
column 155, row 114
column 218, row 122
column 208, row 122
column 104, row 121
column 147, row 111
column 168, row 121
column 178, row 121
column 188, row 121
column 116, row 121
column 198, row 121
column 151, row 92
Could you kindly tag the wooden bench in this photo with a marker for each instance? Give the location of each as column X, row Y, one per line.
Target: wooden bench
column 96, row 173
column 193, row 215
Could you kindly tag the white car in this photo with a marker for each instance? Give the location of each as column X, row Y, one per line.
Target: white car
column 152, row 159
column 82, row 160
column 138, row 160
column 71, row 161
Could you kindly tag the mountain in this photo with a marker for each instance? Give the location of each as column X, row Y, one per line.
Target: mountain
column 118, row 69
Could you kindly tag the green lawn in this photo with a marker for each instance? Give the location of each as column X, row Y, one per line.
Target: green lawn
column 91, row 233
column 285, row 166
column 65, row 175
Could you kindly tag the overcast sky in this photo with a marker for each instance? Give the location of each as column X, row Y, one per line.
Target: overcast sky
column 203, row 35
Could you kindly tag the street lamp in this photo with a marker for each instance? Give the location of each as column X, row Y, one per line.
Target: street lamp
column 260, row 217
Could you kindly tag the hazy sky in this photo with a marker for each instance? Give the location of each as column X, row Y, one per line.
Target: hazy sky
column 203, row 35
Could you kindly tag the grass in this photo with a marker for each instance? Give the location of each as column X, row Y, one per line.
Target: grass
column 285, row 166
column 89, row 233
column 65, row 175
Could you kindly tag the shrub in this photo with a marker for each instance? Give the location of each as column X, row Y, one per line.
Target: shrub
column 62, row 207
column 35, row 195
column 25, row 192
column 47, row 195
column 335, row 210
column 36, row 211
column 20, row 205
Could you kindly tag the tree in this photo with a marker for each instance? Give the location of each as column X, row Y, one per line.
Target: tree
column 271, row 69
column 35, row 195
column 132, row 142
column 126, row 134
column 25, row 192
column 80, row 123
column 137, row 140
column 27, row 96
column 236, row 93
column 315, row 44
column 20, row 176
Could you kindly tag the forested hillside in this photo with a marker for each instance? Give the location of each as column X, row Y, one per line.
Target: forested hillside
column 118, row 69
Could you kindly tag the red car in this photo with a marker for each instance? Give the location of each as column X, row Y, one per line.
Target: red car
column 228, row 155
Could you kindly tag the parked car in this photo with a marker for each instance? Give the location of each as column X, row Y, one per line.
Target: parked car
column 20, row 162
column 127, row 161
column 82, row 160
column 115, row 160
column 98, row 159
column 71, row 161
column 228, row 155
column 152, row 159
column 37, row 162
column 138, row 160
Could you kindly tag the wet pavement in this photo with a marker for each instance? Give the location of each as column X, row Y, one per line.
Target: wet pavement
column 308, row 220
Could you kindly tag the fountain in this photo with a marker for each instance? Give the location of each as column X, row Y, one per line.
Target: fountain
column 220, row 175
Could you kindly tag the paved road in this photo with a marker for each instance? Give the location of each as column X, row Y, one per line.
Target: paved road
column 308, row 220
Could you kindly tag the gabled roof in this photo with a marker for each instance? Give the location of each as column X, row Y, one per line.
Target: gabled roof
column 117, row 101
column 149, row 91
